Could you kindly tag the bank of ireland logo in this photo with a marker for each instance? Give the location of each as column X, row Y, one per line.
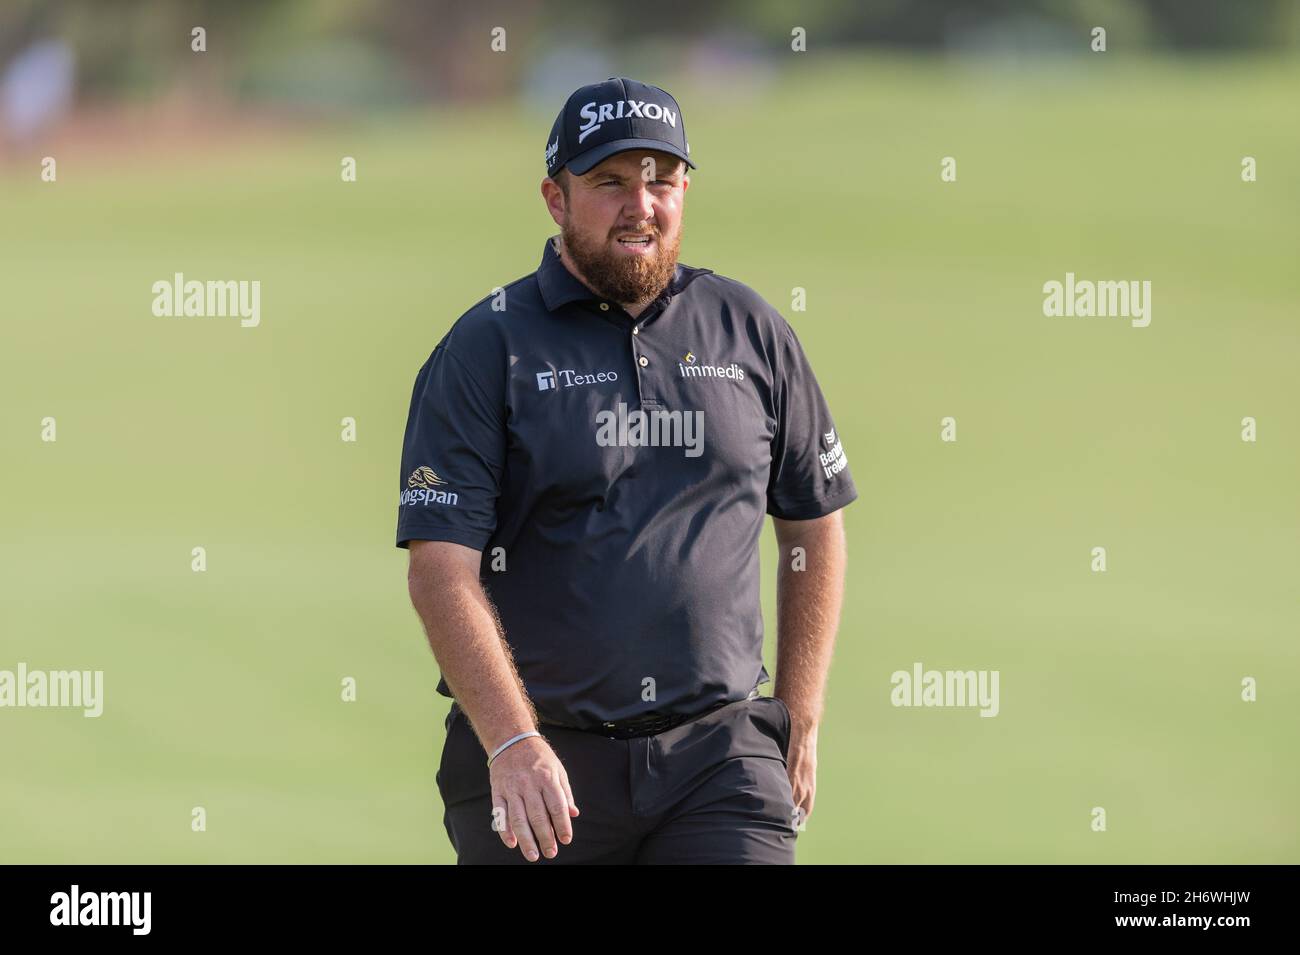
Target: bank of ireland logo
column 545, row 380
column 835, row 460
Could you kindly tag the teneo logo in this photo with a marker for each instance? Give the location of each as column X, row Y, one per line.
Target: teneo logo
column 607, row 111
column 181, row 299
column 651, row 429
column 422, row 488
column 690, row 367
column 571, row 379
column 55, row 688
column 102, row 908
column 833, row 461
column 551, row 150
column 1102, row 299
column 946, row 688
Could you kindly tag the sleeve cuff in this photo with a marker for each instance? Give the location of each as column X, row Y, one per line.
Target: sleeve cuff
column 813, row 509
column 467, row 537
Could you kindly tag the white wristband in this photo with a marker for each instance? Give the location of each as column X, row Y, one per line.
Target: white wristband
column 510, row 742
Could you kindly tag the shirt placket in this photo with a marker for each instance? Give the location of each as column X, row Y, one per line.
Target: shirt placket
column 646, row 364
column 643, row 363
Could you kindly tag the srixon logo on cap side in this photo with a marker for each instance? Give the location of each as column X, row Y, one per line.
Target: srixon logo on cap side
column 595, row 117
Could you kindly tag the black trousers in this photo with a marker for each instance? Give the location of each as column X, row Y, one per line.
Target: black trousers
column 711, row 791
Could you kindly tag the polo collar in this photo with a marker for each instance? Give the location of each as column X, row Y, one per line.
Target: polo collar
column 560, row 287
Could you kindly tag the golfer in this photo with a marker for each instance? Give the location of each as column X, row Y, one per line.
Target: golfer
column 588, row 459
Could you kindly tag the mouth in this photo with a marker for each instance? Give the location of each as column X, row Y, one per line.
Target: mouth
column 636, row 243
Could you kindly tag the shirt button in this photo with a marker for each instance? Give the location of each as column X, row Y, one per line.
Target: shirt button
column 604, row 306
column 644, row 361
column 636, row 331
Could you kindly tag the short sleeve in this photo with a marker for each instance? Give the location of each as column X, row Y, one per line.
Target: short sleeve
column 452, row 455
column 810, row 471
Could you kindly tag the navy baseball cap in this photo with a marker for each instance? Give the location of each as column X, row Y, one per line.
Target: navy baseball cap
column 619, row 114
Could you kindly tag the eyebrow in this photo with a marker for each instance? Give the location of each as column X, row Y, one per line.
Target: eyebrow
column 608, row 174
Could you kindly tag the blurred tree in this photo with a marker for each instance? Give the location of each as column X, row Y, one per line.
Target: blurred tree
column 361, row 52
column 1207, row 24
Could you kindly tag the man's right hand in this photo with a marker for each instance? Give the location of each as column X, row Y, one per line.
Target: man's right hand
column 531, row 799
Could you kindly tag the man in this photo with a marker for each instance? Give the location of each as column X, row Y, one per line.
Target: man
column 588, row 459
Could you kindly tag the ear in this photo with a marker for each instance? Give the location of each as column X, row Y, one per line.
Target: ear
column 554, row 197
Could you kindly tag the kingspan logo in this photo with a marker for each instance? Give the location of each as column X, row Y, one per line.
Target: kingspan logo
column 424, row 477
column 422, row 487
column 595, row 117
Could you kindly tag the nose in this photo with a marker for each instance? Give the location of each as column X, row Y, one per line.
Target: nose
column 640, row 202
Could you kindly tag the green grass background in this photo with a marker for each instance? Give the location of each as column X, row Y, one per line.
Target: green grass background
column 1119, row 690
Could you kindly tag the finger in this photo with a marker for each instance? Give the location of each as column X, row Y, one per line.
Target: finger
column 805, row 807
column 557, row 804
column 501, row 820
column 541, row 823
column 568, row 791
column 523, row 832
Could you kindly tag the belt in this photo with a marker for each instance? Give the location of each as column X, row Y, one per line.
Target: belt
column 636, row 726
column 646, row 725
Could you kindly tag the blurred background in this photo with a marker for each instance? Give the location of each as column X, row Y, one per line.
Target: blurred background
column 818, row 169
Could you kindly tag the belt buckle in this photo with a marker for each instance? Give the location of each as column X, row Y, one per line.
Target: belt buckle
column 615, row 730
column 658, row 723
column 640, row 726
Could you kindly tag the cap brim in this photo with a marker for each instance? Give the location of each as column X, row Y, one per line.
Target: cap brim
column 598, row 154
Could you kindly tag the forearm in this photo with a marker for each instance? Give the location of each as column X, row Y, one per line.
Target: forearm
column 810, row 591
column 465, row 636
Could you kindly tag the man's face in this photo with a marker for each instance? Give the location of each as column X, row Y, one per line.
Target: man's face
column 621, row 222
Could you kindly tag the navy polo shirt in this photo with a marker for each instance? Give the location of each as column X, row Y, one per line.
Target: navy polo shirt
column 615, row 472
